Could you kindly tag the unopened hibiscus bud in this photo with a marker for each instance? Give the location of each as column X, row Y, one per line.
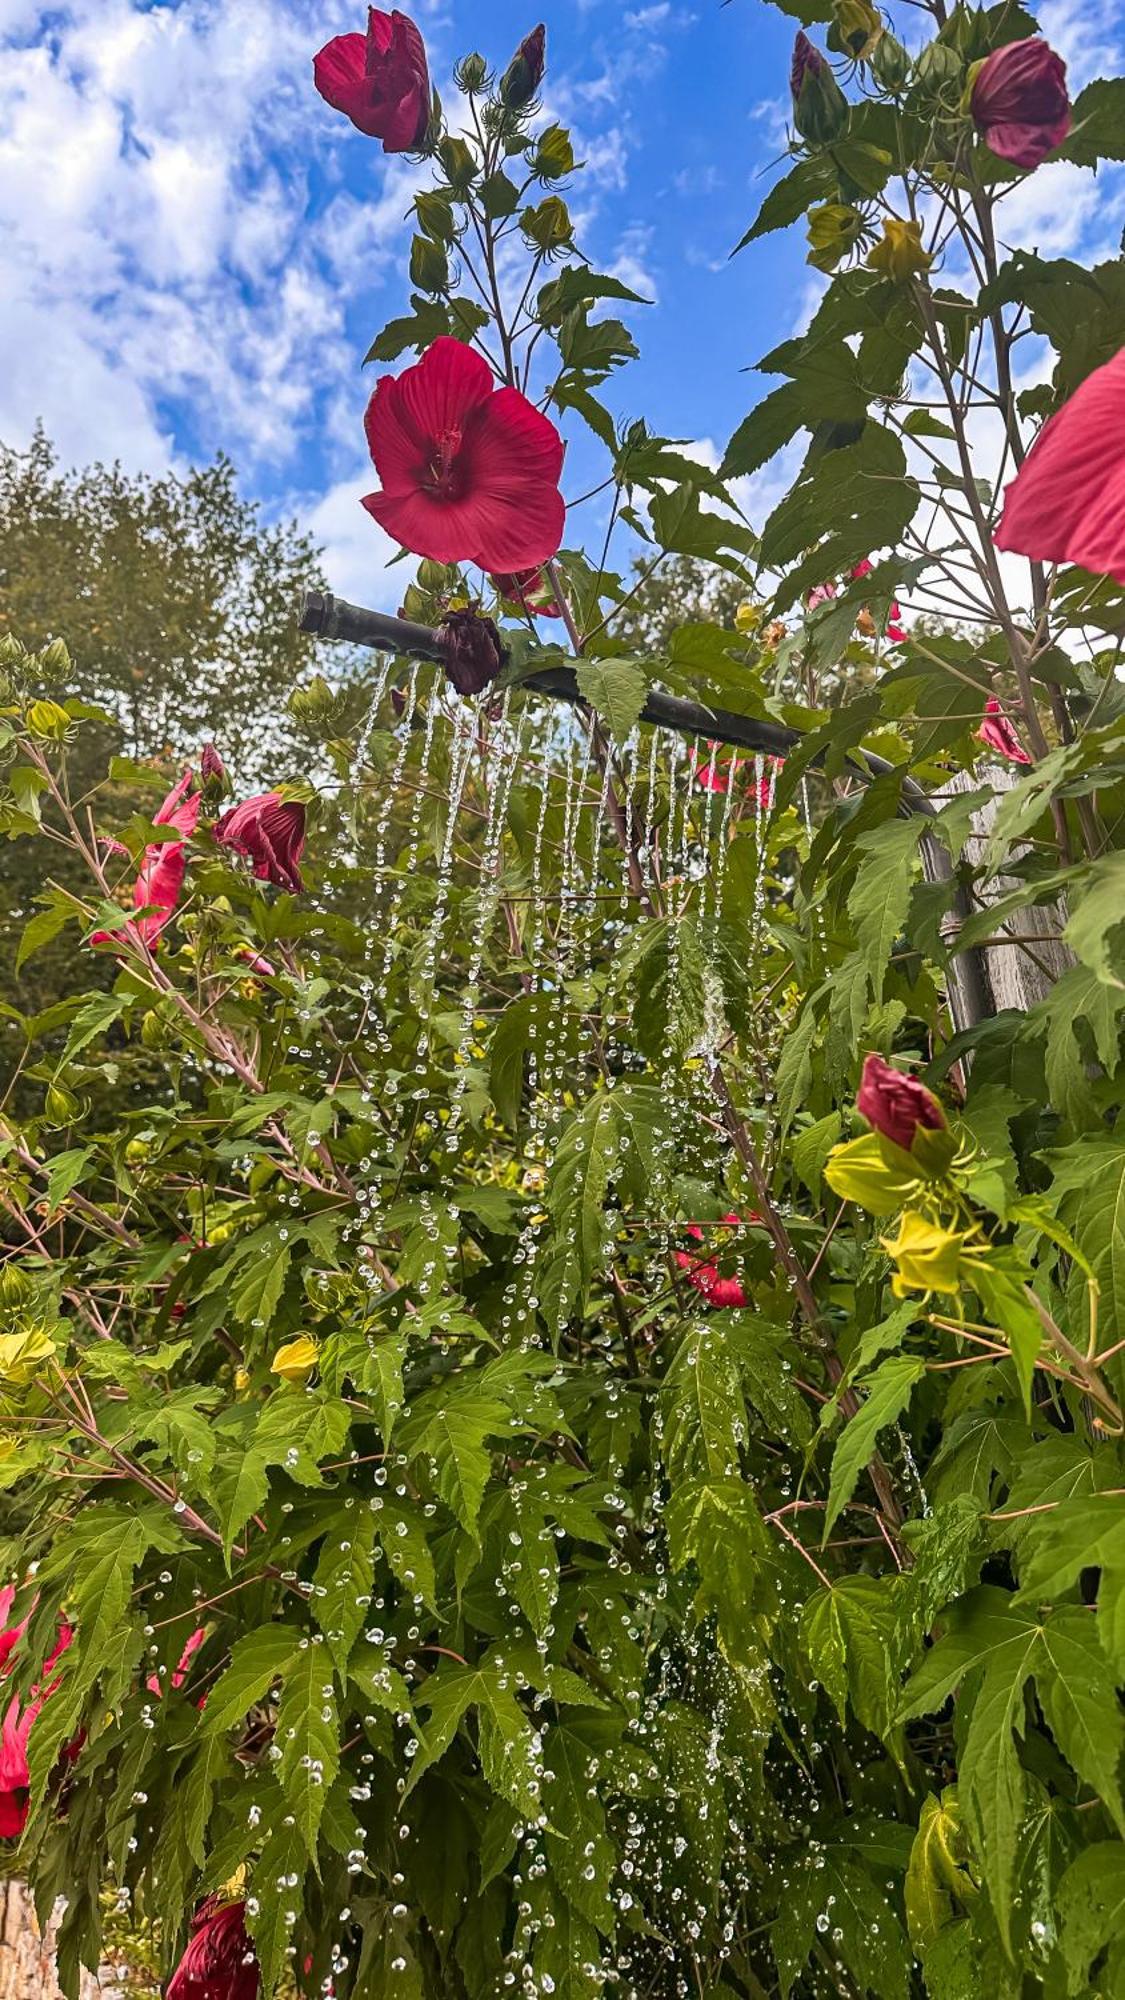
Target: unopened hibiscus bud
column 897, row 1105
column 429, row 265
column 938, row 66
column 295, row 1361
column 47, row 720
column 890, row 62
column 899, row 253
column 471, row 73
column 1019, row 103
column 154, row 1031
column 60, row 1104
column 474, row 650
column 549, row 226
column 55, row 659
column 524, row 73
column 15, row 1286
column 833, row 228
column 857, row 24
column 212, row 770
column 820, row 109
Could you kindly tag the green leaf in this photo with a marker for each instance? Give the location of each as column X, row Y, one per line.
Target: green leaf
column 1097, row 123
column 794, row 1071
column 848, row 1636
column 715, row 1525
column 64, row 1173
column 345, row 1578
column 788, row 200
column 1091, row 1907
column 41, row 929
column 702, row 1405
column 308, row 1735
column 257, row 1660
column 275, row 1902
column 1096, row 930
column 618, row 690
column 888, row 1393
column 937, row 1880
column 880, row 895
column 454, row 1437
column 576, row 1195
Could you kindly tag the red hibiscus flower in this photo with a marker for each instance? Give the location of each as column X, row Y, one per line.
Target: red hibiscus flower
column 997, row 732
column 160, row 879
column 469, row 473
column 822, row 593
column 380, row 80
column 1019, row 102
column 531, row 590
column 705, row 1276
column 269, row 832
column 712, row 776
column 1067, row 501
column 220, row 1962
column 15, row 1777
column 896, row 1104
column 11, row 1634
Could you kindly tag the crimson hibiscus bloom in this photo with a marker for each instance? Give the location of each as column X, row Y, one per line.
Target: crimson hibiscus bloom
column 470, row 473
column 704, row 1275
column 15, row 1777
column 1067, row 501
column 160, row 880
column 1019, row 101
column 896, row 1104
column 269, row 832
column 380, row 80
column 220, row 1962
column 997, row 732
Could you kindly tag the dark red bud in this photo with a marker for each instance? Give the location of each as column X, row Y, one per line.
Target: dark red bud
column 474, row 651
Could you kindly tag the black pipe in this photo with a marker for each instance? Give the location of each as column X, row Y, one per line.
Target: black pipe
column 330, row 617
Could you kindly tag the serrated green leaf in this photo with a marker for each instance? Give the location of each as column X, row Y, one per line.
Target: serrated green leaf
column 888, row 1393
column 308, row 1736
column 617, row 689
column 257, row 1660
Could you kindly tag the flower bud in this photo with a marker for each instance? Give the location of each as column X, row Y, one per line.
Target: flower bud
column 153, row 1030
column 429, row 265
column 899, row 253
column 474, row 651
column 1019, row 103
column 55, row 659
column 471, row 73
column 897, row 1105
column 820, row 109
column 47, row 720
column 524, row 73
column 60, row 1104
column 15, row 1287
column 890, row 62
column 937, row 66
column 212, row 770
column 553, row 157
column 549, row 226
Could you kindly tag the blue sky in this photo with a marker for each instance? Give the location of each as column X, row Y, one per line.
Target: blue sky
column 197, row 251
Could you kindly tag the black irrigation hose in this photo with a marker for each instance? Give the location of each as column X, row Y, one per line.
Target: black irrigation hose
column 330, row 617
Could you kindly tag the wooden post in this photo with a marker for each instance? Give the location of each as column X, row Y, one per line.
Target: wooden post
column 27, row 1958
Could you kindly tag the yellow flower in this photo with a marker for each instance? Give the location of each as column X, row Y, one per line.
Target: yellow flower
column 296, row 1360
column 859, row 24
column 747, row 617
column 899, row 253
column 928, row 1256
column 22, row 1355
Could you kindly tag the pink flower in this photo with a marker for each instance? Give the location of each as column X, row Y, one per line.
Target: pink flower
column 896, row 633
column 469, row 473
column 160, row 880
column 1019, row 101
column 711, row 777
column 380, row 80
column 863, row 568
column 822, row 593
column 997, row 732
column 11, row 1634
column 15, row 1777
column 269, row 832
column 705, row 1276
column 1067, row 501
column 154, row 1683
column 896, row 1104
column 220, row 1962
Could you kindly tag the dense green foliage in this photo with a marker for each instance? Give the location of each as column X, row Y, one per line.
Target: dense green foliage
column 567, row 1631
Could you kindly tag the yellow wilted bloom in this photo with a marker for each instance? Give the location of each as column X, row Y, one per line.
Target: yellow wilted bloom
column 296, row 1360
column 899, row 253
column 859, row 24
column 242, row 1379
column 928, row 1256
column 23, row 1355
column 748, row 616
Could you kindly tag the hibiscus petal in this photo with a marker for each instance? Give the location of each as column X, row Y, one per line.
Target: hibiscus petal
column 443, row 530
column 380, row 29
column 339, row 73
column 1026, row 145
column 443, row 389
column 1067, row 502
